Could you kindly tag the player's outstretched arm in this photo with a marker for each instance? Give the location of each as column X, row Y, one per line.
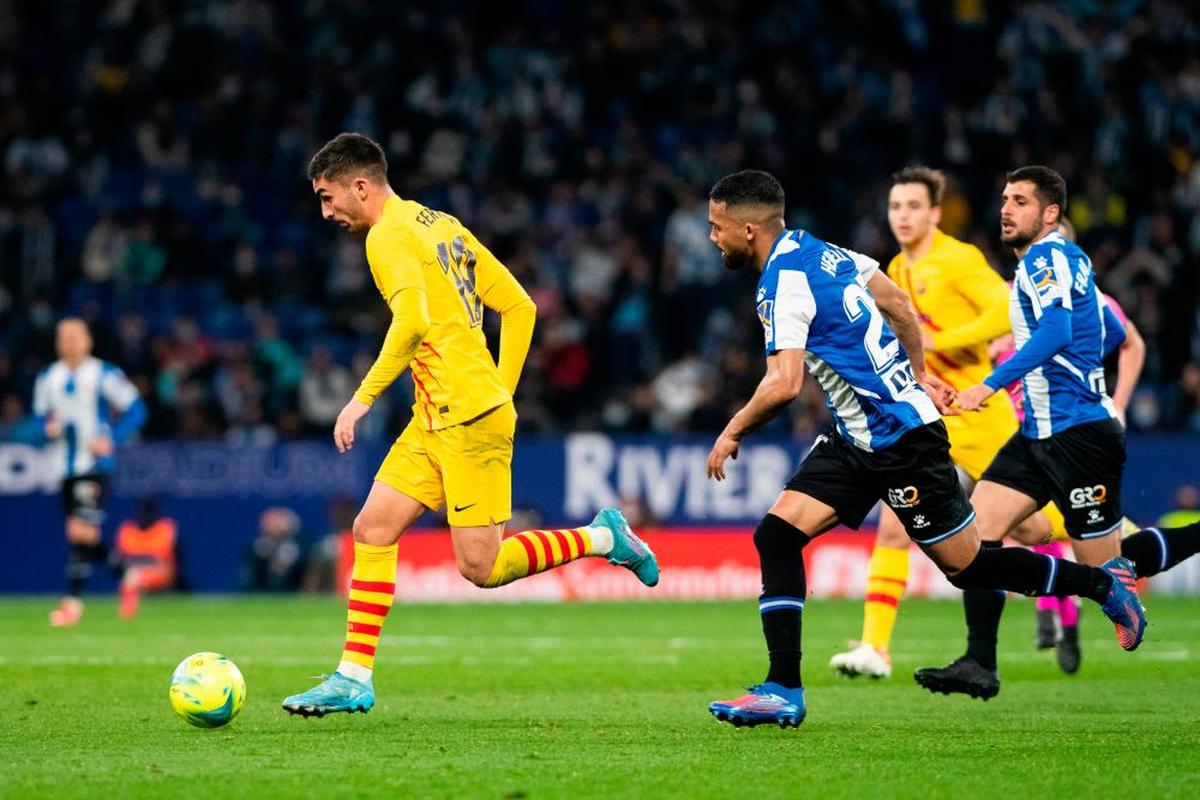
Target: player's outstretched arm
column 780, row 386
column 410, row 322
column 1053, row 334
column 898, row 310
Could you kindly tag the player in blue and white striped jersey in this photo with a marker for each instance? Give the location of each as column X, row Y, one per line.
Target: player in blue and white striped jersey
column 1054, row 291
column 1070, row 448
column 86, row 407
column 833, row 312
column 856, row 358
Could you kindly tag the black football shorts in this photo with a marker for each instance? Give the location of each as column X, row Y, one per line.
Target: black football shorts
column 914, row 476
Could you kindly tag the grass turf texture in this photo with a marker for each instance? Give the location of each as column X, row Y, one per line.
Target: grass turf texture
column 586, row 700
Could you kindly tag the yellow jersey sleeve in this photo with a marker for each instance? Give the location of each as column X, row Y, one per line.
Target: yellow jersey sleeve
column 395, row 260
column 983, row 288
column 410, row 322
column 502, row 293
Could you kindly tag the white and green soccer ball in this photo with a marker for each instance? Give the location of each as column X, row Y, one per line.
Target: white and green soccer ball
column 207, row 690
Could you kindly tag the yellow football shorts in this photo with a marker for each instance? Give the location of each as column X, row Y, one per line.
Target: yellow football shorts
column 468, row 467
column 1058, row 526
column 976, row 436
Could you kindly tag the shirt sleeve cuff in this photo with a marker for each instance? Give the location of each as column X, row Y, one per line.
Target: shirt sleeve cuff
column 992, row 383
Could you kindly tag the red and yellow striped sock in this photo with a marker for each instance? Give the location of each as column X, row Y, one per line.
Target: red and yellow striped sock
column 530, row 552
column 887, row 576
column 372, row 592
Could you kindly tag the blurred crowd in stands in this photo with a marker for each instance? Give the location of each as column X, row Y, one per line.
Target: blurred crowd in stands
column 154, row 154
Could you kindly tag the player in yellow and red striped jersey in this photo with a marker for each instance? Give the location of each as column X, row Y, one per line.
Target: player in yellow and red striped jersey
column 437, row 279
column 962, row 304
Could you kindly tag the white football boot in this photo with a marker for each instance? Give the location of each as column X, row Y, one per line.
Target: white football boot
column 863, row 660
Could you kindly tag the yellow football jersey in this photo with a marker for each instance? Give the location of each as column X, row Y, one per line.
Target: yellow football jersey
column 961, row 300
column 455, row 377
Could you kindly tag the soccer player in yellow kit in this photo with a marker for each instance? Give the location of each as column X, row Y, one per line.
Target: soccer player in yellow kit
column 437, row 279
column 962, row 304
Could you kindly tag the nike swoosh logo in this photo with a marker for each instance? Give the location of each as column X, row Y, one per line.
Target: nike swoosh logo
column 459, row 508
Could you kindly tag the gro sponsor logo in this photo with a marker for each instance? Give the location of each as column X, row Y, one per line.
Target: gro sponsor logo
column 903, row 497
column 1088, row 496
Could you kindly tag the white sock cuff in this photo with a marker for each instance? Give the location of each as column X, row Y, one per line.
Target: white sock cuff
column 356, row 671
column 602, row 539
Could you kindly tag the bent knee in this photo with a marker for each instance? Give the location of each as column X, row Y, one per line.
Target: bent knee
column 477, row 572
column 957, row 579
column 368, row 530
column 971, row 575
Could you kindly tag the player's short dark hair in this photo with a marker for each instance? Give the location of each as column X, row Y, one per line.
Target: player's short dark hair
column 750, row 187
column 346, row 154
column 1049, row 186
column 933, row 179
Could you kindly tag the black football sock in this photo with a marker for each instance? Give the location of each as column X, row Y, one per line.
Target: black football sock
column 79, row 568
column 780, row 546
column 1156, row 550
column 100, row 553
column 112, row 558
column 1019, row 570
column 983, row 609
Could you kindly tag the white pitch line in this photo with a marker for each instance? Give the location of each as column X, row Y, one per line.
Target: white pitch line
column 315, row 662
column 1147, row 655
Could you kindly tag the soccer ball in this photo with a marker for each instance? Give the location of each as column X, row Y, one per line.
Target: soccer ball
column 207, row 690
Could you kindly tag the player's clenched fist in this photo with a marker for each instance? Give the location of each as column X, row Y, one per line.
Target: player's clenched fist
column 343, row 429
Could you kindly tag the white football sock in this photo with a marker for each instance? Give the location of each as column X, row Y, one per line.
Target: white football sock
column 602, row 539
column 356, row 671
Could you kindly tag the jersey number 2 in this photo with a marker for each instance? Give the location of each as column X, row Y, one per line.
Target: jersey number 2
column 856, row 301
column 458, row 263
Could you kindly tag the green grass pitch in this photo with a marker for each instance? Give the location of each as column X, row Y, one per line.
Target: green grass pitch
column 586, row 701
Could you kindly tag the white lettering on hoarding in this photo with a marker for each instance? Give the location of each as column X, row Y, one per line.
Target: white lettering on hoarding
column 25, row 469
column 670, row 479
column 589, row 462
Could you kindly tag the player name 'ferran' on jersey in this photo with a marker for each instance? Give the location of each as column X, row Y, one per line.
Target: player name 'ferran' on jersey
column 1068, row 389
column 813, row 296
column 83, row 402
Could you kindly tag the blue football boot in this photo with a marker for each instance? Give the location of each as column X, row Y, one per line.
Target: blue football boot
column 628, row 550
column 336, row 693
column 763, row 704
column 1122, row 605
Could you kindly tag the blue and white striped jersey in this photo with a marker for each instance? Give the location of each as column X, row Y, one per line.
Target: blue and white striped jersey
column 83, row 401
column 813, row 296
column 1068, row 389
